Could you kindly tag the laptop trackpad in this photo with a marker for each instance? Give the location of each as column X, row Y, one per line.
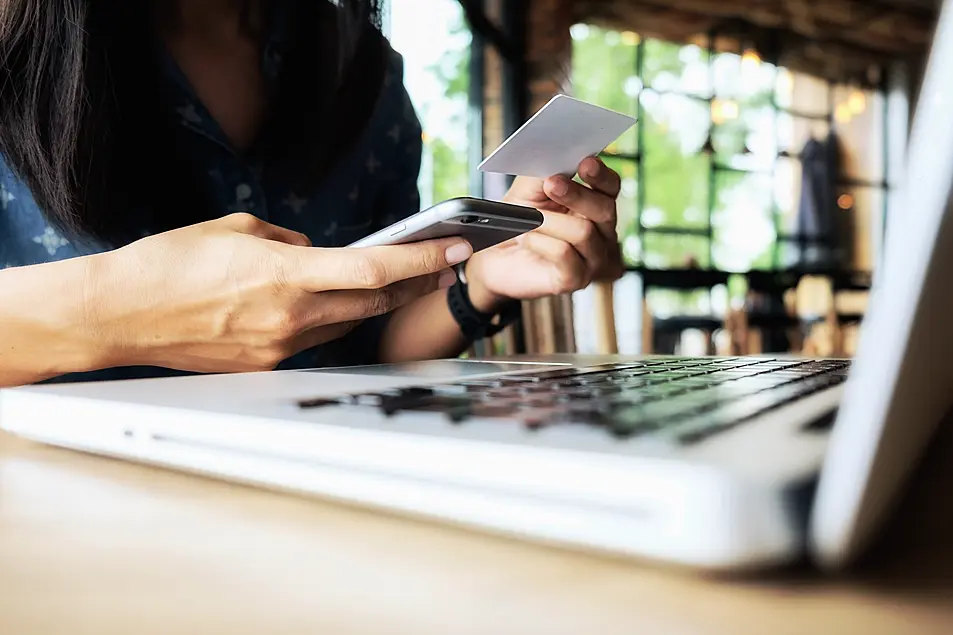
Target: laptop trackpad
column 439, row 369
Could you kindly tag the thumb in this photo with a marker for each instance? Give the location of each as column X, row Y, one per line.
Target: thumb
column 319, row 270
column 526, row 188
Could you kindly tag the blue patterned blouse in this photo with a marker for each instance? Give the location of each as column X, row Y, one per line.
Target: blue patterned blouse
column 369, row 188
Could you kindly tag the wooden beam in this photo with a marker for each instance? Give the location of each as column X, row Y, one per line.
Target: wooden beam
column 480, row 23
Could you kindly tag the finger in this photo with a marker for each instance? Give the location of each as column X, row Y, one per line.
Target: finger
column 582, row 234
column 360, row 304
column 529, row 192
column 581, row 200
column 613, row 268
column 570, row 272
column 600, row 177
column 546, row 204
column 282, row 235
column 254, row 226
column 373, row 267
column 321, row 335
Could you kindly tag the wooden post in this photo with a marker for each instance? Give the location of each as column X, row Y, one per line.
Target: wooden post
column 648, row 330
column 548, row 58
column 605, row 318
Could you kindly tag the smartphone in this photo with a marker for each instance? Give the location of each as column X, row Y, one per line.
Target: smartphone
column 482, row 223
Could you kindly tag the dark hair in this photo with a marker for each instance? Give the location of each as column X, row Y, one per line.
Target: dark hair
column 83, row 124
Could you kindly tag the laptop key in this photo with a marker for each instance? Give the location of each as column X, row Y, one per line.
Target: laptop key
column 629, row 422
column 702, row 426
column 757, row 383
column 735, row 412
column 689, row 400
column 319, row 403
column 589, row 393
column 667, row 409
column 663, row 390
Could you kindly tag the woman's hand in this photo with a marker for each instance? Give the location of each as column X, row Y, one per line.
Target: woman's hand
column 576, row 244
column 239, row 294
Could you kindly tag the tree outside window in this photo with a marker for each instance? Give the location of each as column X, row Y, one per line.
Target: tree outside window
column 433, row 37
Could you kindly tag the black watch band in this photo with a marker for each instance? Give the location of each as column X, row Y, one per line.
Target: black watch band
column 475, row 324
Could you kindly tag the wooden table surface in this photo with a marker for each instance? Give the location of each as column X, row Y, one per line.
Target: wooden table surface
column 91, row 545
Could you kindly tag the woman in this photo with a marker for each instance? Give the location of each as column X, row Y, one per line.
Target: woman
column 179, row 177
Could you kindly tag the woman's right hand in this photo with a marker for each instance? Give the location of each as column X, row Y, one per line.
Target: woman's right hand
column 238, row 294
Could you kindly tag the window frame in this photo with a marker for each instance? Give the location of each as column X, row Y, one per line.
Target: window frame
column 783, row 240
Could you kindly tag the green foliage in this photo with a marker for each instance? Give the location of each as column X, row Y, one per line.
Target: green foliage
column 602, row 63
column 450, row 171
column 450, row 166
column 453, row 71
column 676, row 168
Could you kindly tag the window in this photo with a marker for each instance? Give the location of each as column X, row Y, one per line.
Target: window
column 434, row 39
column 712, row 169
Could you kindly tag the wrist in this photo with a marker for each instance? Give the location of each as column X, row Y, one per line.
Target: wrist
column 104, row 323
column 482, row 298
column 47, row 312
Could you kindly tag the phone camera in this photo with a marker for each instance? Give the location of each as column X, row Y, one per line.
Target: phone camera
column 469, row 220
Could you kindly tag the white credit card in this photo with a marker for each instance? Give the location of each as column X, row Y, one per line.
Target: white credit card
column 557, row 139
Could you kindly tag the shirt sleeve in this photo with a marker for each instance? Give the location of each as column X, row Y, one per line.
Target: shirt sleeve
column 398, row 197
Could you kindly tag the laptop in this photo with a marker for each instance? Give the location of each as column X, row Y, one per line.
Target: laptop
column 713, row 463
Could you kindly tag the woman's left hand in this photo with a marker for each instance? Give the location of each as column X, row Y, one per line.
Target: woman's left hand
column 576, row 244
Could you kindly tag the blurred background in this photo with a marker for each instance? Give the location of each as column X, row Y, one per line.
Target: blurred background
column 757, row 186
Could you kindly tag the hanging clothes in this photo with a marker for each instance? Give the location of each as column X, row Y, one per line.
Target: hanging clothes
column 818, row 221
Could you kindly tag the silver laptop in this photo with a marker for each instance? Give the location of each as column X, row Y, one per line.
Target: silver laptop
column 711, row 463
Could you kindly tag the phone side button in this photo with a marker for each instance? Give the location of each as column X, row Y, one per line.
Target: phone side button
column 398, row 230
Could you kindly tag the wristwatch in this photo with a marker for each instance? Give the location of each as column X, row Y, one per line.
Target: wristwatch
column 475, row 324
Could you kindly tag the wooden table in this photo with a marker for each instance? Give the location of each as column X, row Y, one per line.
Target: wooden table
column 90, row 545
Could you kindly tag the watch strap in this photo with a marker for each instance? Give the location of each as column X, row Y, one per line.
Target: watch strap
column 475, row 324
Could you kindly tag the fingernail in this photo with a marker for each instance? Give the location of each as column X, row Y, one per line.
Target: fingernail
column 458, row 253
column 591, row 168
column 446, row 279
column 559, row 187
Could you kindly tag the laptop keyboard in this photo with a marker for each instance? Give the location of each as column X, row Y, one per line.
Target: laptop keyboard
column 685, row 399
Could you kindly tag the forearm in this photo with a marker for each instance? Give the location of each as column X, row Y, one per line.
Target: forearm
column 424, row 329
column 45, row 322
